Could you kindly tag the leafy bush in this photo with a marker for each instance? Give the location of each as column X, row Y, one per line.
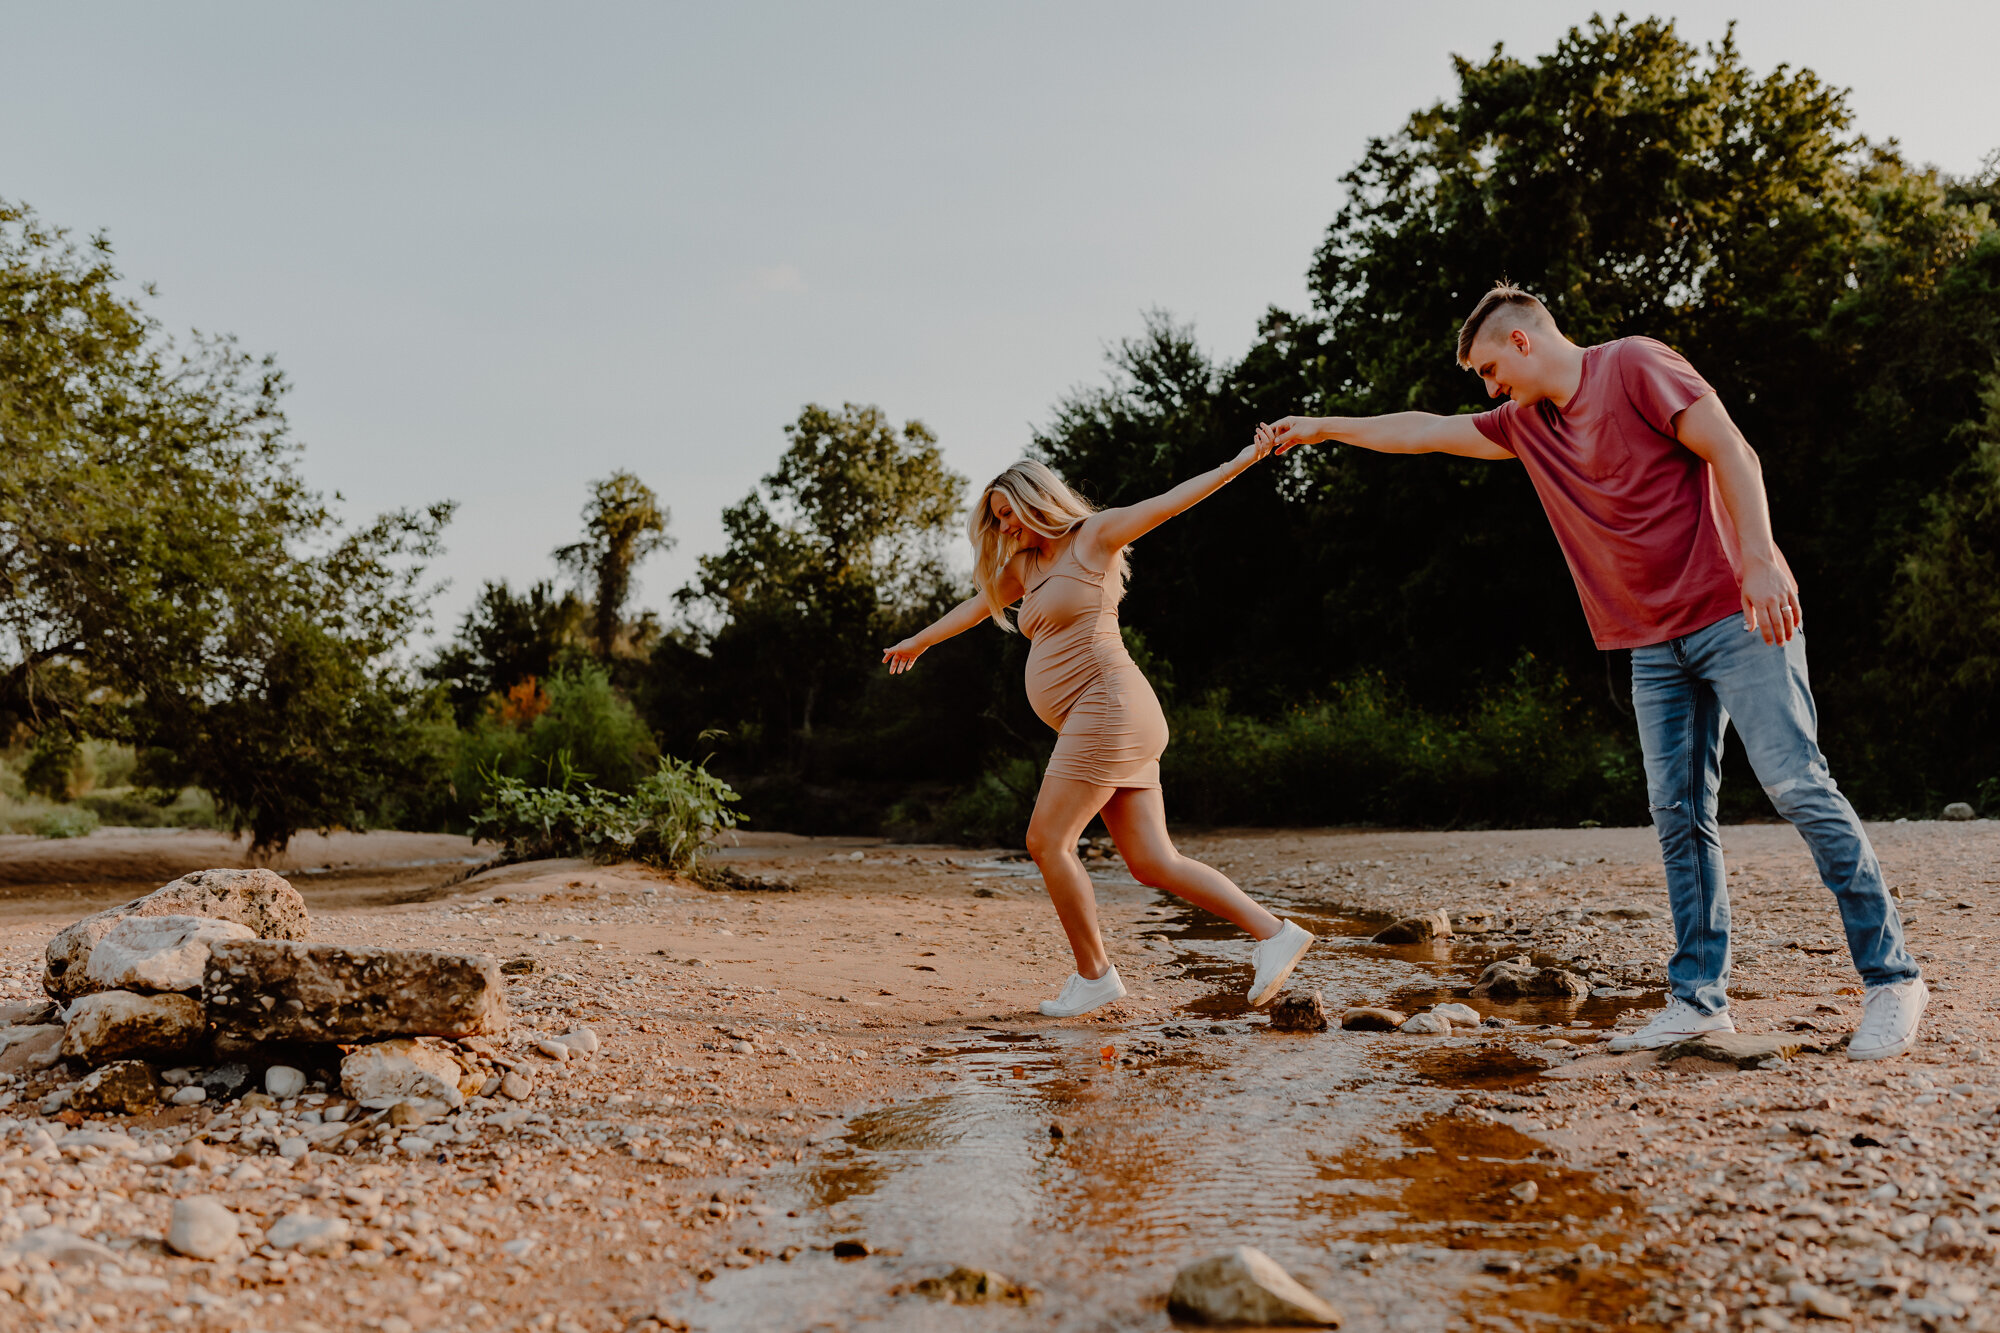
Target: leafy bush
column 578, row 724
column 674, row 813
column 994, row 810
column 66, row 821
column 665, row 822
column 1525, row 754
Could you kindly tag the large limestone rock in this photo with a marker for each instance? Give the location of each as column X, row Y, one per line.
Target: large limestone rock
column 119, row 1025
column 1246, row 1286
column 387, row 1072
column 158, row 953
column 271, row 990
column 258, row 899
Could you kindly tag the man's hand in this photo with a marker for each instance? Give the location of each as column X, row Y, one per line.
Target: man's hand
column 1289, row 433
column 1771, row 602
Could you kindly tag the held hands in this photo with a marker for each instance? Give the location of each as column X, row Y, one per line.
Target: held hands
column 1288, row 433
column 902, row 656
column 1253, row 453
column 1771, row 602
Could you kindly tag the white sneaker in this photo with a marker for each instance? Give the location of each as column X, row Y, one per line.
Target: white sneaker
column 1080, row 994
column 1677, row 1022
column 1274, row 960
column 1889, row 1015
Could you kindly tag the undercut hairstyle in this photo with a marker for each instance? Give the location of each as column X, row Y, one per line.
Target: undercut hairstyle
column 1513, row 306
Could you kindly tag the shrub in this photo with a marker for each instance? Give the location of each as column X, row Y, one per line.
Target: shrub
column 1525, row 754
column 66, row 821
column 666, row 822
column 577, row 716
column 675, row 812
column 994, row 810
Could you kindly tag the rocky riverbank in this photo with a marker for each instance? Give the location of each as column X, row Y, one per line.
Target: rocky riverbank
column 670, row 1048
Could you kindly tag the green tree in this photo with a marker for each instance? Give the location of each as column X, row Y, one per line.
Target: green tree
column 844, row 537
column 623, row 523
column 1845, row 304
column 170, row 579
column 1945, row 624
column 506, row 638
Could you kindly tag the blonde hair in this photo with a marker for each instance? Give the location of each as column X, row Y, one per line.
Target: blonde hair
column 1044, row 504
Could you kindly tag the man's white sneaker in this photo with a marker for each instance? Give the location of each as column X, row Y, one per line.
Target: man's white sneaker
column 1889, row 1015
column 1274, row 960
column 1080, row 994
column 1677, row 1022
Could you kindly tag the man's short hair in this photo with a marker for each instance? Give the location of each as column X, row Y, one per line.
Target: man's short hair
column 1503, row 296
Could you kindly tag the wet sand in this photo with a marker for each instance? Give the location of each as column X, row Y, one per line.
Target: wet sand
column 856, row 1058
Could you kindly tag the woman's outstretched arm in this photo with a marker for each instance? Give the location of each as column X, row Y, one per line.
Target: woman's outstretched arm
column 1105, row 532
column 902, row 656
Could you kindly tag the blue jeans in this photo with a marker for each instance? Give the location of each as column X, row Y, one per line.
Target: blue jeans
column 1685, row 692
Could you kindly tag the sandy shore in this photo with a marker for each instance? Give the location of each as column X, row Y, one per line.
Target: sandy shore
column 771, row 1059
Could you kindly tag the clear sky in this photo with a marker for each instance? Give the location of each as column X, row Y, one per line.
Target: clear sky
column 504, row 249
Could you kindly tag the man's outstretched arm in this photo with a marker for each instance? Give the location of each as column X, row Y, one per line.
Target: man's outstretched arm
column 1396, row 433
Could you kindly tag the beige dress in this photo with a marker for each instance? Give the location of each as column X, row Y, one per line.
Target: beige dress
column 1081, row 680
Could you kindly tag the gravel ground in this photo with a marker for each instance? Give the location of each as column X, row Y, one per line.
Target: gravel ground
column 740, row 1030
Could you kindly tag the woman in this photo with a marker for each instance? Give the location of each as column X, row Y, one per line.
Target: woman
column 1037, row 542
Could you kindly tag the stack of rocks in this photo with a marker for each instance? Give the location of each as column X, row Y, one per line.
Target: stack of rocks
column 178, row 995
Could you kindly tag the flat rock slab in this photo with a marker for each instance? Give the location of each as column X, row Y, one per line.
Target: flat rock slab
column 258, row 899
column 273, row 990
column 1744, row 1050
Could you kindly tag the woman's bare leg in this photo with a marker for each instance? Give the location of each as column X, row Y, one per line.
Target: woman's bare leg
column 1137, row 818
column 1063, row 809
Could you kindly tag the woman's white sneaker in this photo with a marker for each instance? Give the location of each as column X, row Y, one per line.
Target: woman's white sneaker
column 1274, row 960
column 1677, row 1022
column 1889, row 1016
column 1080, row 994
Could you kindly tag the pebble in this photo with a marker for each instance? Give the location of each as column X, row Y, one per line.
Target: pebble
column 1425, row 1024
column 1367, row 1019
column 306, row 1233
column 201, row 1228
column 1819, row 1302
column 284, row 1082
column 1458, row 1015
column 553, row 1049
column 516, row 1087
column 191, row 1094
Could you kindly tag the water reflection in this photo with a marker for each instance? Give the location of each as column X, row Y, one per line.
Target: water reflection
column 1092, row 1180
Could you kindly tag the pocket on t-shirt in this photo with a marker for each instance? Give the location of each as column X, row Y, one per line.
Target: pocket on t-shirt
column 1608, row 455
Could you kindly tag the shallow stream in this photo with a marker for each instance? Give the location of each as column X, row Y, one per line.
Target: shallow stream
column 1088, row 1162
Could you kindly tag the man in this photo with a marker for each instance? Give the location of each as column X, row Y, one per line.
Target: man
column 1630, row 452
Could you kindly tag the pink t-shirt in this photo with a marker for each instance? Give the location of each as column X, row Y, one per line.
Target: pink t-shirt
column 1638, row 519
